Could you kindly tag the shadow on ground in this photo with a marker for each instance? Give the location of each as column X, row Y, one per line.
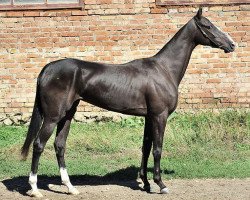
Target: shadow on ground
column 125, row 177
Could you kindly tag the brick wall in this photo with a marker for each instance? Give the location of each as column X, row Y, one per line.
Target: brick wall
column 117, row 31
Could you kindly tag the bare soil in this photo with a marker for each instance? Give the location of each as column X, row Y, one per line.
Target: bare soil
column 198, row 189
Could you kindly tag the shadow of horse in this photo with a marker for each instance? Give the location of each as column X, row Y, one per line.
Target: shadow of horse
column 127, row 177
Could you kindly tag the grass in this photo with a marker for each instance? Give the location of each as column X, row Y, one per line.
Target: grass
column 201, row 145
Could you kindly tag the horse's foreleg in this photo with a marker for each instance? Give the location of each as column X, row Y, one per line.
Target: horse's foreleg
column 60, row 144
column 146, row 148
column 159, row 124
column 38, row 147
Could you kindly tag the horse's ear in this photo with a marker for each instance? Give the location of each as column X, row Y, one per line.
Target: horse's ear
column 199, row 13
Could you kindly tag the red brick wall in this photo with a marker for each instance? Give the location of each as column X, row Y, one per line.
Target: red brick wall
column 202, row 2
column 117, row 31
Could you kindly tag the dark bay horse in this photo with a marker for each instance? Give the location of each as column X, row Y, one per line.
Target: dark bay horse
column 145, row 87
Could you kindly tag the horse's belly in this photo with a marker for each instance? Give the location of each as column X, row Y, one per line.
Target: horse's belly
column 122, row 103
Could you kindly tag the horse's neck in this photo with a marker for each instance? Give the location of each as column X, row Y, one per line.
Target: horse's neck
column 175, row 55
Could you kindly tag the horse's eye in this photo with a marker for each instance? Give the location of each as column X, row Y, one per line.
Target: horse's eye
column 207, row 26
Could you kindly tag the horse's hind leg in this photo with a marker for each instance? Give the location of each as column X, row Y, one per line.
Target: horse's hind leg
column 38, row 147
column 60, row 143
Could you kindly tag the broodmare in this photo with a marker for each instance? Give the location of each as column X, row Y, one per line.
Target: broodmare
column 145, row 87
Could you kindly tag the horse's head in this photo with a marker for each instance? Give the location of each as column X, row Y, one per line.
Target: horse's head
column 208, row 34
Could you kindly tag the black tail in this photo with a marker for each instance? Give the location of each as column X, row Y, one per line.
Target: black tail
column 35, row 124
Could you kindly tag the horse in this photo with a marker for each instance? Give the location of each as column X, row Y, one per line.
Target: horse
column 146, row 87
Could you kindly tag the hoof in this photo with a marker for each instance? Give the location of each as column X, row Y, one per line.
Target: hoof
column 164, row 191
column 36, row 194
column 74, row 191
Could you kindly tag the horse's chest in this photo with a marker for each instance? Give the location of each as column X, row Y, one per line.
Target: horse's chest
column 163, row 97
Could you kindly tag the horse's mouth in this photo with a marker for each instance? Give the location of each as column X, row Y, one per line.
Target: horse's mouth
column 227, row 50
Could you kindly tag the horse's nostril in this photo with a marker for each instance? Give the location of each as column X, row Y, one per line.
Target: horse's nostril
column 232, row 45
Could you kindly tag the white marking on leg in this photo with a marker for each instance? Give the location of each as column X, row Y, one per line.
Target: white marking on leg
column 164, row 191
column 66, row 181
column 33, row 183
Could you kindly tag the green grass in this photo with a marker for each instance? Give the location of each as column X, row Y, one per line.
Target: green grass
column 201, row 145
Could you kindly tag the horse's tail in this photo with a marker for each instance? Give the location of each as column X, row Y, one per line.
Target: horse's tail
column 34, row 127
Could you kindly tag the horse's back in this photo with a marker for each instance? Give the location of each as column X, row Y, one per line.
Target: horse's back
column 119, row 88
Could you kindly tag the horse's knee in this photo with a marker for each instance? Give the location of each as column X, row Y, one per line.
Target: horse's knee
column 59, row 147
column 157, row 153
column 38, row 147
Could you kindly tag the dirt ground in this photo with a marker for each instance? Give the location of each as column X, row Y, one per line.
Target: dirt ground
column 200, row 189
